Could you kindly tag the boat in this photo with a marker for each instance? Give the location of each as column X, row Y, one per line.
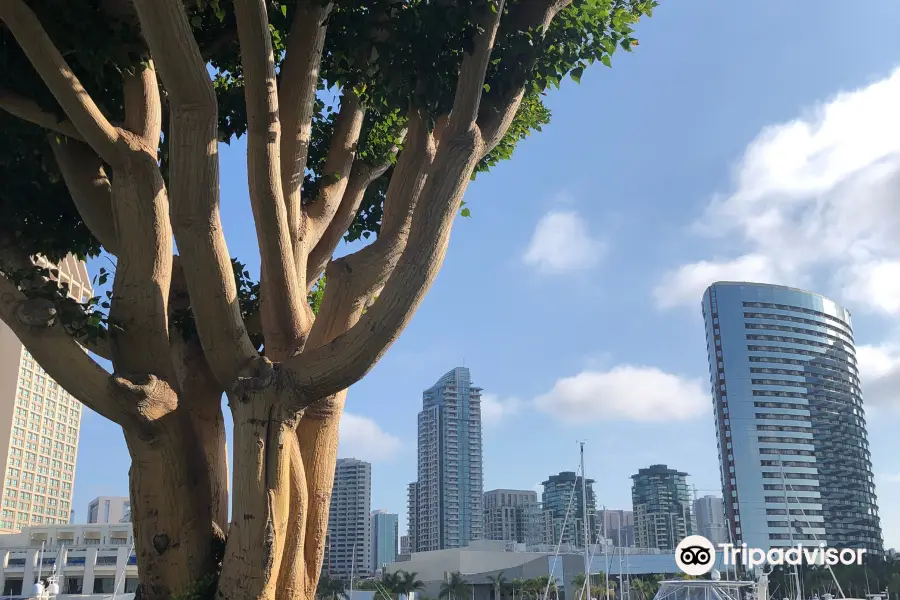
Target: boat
column 714, row 588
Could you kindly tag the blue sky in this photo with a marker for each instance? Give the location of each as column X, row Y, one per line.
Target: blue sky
column 755, row 140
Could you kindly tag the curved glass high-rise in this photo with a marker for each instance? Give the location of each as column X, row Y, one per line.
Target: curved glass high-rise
column 793, row 450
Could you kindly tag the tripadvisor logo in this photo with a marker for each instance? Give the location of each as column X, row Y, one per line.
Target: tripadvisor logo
column 695, row 555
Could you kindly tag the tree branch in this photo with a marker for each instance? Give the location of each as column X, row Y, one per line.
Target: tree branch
column 282, row 317
column 528, row 14
column 28, row 110
column 62, row 82
column 86, row 180
column 140, row 209
column 61, row 356
column 338, row 164
column 37, row 325
column 141, row 92
column 194, row 186
column 359, row 348
column 353, row 279
column 470, row 83
column 496, row 118
column 496, row 122
column 296, row 99
column 364, row 343
column 361, row 177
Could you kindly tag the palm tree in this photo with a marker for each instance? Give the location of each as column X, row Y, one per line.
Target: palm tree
column 332, row 588
column 390, row 583
column 578, row 585
column 455, row 588
column 541, row 587
column 498, row 582
column 516, row 585
column 646, row 587
column 407, row 583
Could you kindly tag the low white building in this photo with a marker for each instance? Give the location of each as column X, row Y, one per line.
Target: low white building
column 88, row 559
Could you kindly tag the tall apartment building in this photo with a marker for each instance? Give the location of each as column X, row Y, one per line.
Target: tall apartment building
column 385, row 538
column 662, row 507
column 448, row 491
column 563, row 493
column 349, row 529
column 710, row 516
column 789, row 418
column 412, row 515
column 515, row 516
column 109, row 509
column 617, row 526
column 39, row 426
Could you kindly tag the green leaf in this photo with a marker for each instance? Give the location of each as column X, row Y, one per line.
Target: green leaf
column 576, row 74
column 284, row 10
column 465, row 212
column 605, row 60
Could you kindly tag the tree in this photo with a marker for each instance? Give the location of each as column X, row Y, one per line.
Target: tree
column 498, row 582
column 331, row 588
column 391, row 583
column 363, row 119
column 516, row 586
column 646, row 586
column 455, row 588
column 408, row 583
column 578, row 581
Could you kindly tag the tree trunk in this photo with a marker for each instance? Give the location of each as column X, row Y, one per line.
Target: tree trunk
column 174, row 500
column 261, row 526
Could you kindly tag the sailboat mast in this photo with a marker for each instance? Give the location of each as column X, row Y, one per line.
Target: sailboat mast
column 787, row 510
column 587, row 537
column 352, row 567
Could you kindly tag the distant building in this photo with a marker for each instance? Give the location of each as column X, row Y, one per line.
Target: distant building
column 710, row 515
column 412, row 515
column 349, row 530
column 404, row 545
column 98, row 559
column 563, row 494
column 617, row 526
column 449, row 488
column 39, row 425
column 785, row 385
column 516, row 516
column 108, row 509
column 385, row 534
column 662, row 507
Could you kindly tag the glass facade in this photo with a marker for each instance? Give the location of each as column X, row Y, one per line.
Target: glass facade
column 662, row 507
column 449, row 488
column 793, row 451
column 566, row 493
column 385, row 538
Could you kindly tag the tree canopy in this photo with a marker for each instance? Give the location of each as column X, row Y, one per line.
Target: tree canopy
column 363, row 120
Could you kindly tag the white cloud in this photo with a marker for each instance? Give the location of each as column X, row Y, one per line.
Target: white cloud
column 495, row 409
column 812, row 196
column 363, row 438
column 562, row 243
column 879, row 375
column 685, row 285
column 624, row 393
